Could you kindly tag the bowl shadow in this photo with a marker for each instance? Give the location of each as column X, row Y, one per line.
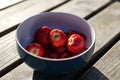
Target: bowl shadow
column 92, row 74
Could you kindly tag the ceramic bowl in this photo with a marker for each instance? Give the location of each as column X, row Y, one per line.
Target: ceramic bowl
column 64, row 21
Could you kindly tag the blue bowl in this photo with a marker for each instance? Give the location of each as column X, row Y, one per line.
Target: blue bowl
column 65, row 22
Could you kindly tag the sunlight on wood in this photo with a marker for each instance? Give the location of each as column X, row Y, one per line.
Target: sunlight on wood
column 4, row 3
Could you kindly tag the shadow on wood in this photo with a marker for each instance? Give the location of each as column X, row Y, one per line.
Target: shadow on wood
column 96, row 74
column 42, row 76
column 78, row 75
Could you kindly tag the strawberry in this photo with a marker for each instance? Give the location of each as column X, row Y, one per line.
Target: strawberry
column 73, row 54
column 60, row 49
column 57, row 38
column 53, row 55
column 36, row 49
column 47, row 46
column 70, row 32
column 42, row 35
column 47, row 53
column 64, row 55
column 75, row 43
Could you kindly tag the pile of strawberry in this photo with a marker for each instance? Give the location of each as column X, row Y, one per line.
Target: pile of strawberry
column 54, row 43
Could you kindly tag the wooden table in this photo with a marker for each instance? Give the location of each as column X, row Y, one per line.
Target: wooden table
column 103, row 15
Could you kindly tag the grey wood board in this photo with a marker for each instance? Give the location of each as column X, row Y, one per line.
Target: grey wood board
column 18, row 13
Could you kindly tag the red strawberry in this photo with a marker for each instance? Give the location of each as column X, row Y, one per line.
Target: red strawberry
column 42, row 35
column 73, row 54
column 70, row 32
column 58, row 38
column 53, row 55
column 47, row 46
column 36, row 49
column 64, row 55
column 75, row 43
column 60, row 49
column 47, row 53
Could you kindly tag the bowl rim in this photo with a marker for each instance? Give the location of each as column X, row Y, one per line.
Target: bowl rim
column 50, row 59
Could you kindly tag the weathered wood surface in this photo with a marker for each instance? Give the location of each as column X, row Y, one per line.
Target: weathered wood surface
column 5, row 59
column 16, row 14
column 107, row 68
column 8, row 51
column 22, row 72
column 81, row 7
column 106, row 25
column 6, row 3
column 97, row 22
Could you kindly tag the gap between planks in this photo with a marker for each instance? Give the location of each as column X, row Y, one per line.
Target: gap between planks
column 98, row 10
column 98, row 54
column 20, row 61
column 86, row 17
column 15, row 26
column 45, row 11
column 12, row 5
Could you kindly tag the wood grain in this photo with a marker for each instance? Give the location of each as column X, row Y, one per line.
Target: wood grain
column 22, row 72
column 96, row 22
column 4, row 4
column 107, row 68
column 106, row 26
column 81, row 7
column 6, row 57
column 16, row 14
column 8, row 52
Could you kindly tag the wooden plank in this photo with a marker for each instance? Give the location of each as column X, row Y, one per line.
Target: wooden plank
column 106, row 26
column 4, row 4
column 81, row 7
column 107, row 68
column 12, row 48
column 9, row 53
column 97, row 55
column 22, row 66
column 22, row 72
column 24, row 10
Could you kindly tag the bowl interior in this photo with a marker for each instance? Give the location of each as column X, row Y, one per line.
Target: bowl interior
column 63, row 21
